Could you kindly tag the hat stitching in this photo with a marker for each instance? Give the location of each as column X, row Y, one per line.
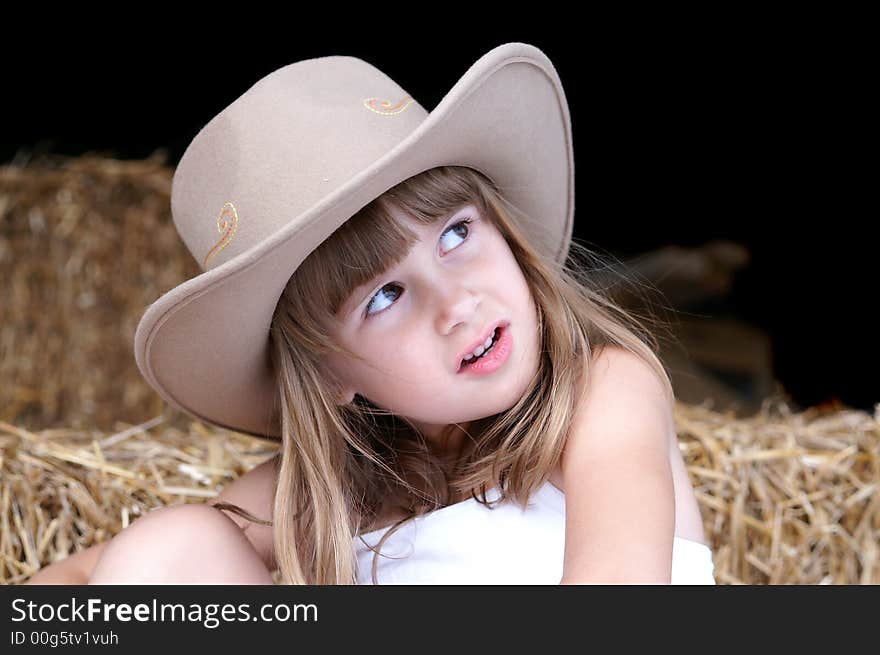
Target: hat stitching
column 227, row 225
column 385, row 107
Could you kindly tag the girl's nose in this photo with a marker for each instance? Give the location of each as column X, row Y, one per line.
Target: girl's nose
column 459, row 306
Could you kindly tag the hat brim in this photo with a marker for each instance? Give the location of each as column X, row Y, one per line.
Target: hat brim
column 204, row 345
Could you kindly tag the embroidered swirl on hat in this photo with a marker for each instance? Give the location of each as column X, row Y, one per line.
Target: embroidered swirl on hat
column 385, row 107
column 227, row 224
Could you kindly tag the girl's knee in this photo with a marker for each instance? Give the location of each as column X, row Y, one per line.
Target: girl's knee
column 182, row 544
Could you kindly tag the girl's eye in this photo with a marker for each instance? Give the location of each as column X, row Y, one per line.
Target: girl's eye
column 381, row 292
column 462, row 222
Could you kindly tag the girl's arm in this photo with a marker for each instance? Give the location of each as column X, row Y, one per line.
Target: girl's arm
column 253, row 492
column 619, row 495
column 75, row 569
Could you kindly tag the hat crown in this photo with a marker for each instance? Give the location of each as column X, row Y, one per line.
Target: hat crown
column 289, row 141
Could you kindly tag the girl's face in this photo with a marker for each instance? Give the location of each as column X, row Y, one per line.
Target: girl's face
column 413, row 325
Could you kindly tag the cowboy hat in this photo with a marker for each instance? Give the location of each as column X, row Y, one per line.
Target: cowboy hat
column 277, row 171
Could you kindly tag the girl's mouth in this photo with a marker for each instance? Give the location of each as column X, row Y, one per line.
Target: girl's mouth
column 493, row 357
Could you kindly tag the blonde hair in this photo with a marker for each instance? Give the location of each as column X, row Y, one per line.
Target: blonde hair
column 340, row 466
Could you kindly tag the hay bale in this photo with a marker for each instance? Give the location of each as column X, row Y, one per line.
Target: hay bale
column 87, row 243
column 786, row 498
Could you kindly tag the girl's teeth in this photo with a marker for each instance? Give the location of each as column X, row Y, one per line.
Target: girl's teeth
column 483, row 348
column 480, row 350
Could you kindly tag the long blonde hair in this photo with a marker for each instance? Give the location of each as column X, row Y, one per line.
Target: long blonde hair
column 340, row 466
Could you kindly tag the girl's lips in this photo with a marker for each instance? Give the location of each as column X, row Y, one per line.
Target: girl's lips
column 494, row 360
column 488, row 333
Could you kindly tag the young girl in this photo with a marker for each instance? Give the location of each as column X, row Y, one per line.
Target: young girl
column 397, row 297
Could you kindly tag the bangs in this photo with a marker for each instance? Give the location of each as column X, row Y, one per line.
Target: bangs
column 374, row 240
column 364, row 250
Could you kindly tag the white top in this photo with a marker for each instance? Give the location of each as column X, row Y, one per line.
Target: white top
column 469, row 544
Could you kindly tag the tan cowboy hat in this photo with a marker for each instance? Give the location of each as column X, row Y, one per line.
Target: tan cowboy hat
column 299, row 153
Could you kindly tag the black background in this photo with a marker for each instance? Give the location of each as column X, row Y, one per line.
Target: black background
column 686, row 129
